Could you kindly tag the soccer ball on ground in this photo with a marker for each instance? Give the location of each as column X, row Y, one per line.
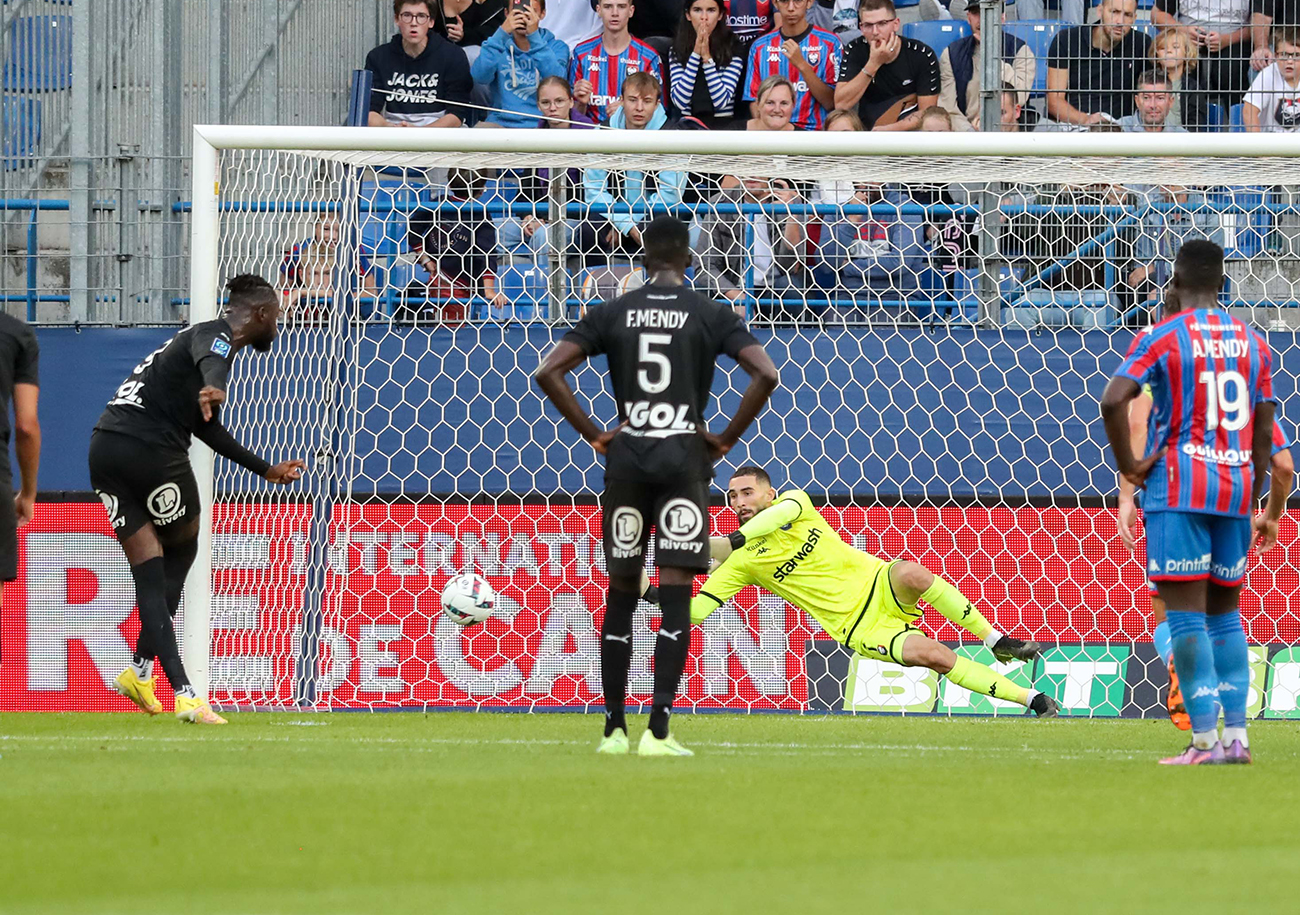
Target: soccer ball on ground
column 468, row 599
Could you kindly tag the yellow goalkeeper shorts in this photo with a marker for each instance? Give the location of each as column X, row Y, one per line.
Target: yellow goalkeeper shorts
column 884, row 624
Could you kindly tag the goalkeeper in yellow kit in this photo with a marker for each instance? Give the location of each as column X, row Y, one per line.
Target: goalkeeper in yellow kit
column 865, row 603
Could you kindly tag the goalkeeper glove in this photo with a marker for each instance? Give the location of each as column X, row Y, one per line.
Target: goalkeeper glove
column 651, row 595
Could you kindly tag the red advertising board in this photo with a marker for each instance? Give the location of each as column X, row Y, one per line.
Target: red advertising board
column 69, row 623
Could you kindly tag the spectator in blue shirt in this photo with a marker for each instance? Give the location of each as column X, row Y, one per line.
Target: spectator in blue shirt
column 640, row 110
column 513, row 62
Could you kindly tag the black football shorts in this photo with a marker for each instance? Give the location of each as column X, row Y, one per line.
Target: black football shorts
column 679, row 512
column 139, row 483
column 8, row 530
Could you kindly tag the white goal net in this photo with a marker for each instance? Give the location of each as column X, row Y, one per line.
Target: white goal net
column 943, row 325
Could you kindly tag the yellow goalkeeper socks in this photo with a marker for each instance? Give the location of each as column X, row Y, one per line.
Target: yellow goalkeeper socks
column 977, row 678
column 954, row 606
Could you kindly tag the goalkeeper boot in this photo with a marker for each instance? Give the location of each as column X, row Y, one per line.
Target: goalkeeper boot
column 615, row 744
column 652, row 746
column 1044, row 706
column 129, row 684
column 196, row 711
column 1174, row 702
column 1009, row 649
column 1194, row 757
column 1234, row 754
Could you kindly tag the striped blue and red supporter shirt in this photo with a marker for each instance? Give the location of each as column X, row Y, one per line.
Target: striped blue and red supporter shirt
column 749, row 18
column 819, row 47
column 606, row 71
column 1207, row 372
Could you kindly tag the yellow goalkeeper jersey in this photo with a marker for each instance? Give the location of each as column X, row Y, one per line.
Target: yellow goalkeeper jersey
column 805, row 563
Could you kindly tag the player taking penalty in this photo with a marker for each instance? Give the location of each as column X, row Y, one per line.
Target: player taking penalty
column 140, row 467
column 1212, row 412
column 1281, row 479
column 865, row 603
column 662, row 342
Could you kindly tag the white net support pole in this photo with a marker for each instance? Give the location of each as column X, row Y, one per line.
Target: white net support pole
column 196, row 637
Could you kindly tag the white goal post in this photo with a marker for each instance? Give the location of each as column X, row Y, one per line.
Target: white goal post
column 963, row 436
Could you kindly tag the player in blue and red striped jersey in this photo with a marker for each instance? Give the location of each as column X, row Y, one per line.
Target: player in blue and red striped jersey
column 1281, row 476
column 600, row 64
column 1212, row 412
column 807, row 56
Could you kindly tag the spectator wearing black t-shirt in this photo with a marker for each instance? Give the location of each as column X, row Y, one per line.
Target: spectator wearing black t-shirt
column 1092, row 70
column 1222, row 30
column 890, row 79
column 421, row 78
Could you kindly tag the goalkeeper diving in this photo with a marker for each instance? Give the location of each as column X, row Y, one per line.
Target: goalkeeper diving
column 868, row 604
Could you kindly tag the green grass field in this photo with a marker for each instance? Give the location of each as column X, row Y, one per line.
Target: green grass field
column 514, row 813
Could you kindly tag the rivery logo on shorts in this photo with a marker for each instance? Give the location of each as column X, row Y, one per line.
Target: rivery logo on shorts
column 809, row 544
column 680, row 523
column 625, row 527
column 1187, row 566
column 111, row 506
column 165, row 504
column 657, row 420
column 1215, row 456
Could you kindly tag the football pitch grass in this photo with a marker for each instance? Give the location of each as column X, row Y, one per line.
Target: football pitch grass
column 486, row 813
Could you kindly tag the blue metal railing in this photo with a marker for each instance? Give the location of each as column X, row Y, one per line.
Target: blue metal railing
column 34, row 207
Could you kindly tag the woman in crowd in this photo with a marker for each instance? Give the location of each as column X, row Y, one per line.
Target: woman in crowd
column 774, row 103
column 705, row 64
column 1176, row 55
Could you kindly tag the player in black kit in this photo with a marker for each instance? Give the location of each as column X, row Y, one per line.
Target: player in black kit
column 140, row 466
column 662, row 342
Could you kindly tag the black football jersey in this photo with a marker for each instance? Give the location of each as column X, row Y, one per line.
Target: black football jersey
column 19, row 358
column 662, row 344
column 159, row 402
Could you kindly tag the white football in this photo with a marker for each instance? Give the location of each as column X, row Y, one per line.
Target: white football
column 468, row 599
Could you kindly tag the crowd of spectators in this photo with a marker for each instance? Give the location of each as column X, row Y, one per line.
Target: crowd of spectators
column 789, row 65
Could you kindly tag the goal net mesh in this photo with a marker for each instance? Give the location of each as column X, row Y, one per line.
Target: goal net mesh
column 943, row 327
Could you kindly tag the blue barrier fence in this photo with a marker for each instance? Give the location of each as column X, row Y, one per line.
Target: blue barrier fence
column 34, row 208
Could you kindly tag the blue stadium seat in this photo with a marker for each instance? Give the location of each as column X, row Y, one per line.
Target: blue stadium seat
column 1213, row 118
column 1236, row 119
column 526, row 288
column 1150, row 28
column 937, row 33
column 40, row 54
column 1058, row 308
column 20, row 130
column 1038, row 34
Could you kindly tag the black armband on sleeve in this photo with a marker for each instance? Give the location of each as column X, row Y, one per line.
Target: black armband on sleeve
column 216, row 437
column 737, row 539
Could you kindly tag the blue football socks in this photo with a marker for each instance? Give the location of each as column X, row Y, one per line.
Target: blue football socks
column 1232, row 664
column 1194, row 658
column 1164, row 645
